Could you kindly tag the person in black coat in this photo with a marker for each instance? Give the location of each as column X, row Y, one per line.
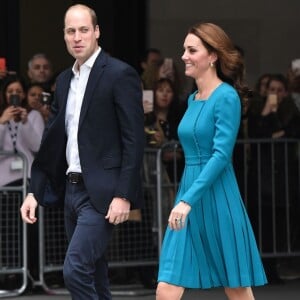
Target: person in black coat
column 273, row 117
column 91, row 154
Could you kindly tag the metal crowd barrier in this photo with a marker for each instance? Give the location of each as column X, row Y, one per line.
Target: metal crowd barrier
column 13, row 235
column 268, row 175
column 134, row 245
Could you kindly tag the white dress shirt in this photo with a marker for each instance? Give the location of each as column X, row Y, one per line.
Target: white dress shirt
column 73, row 109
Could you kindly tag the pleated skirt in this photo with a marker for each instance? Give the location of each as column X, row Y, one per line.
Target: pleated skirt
column 217, row 246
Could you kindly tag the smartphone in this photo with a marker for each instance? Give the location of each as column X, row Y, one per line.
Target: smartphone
column 273, row 100
column 168, row 63
column 296, row 66
column 148, row 97
column 46, row 98
column 2, row 64
column 15, row 100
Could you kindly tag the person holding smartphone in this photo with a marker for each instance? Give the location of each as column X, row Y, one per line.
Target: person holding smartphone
column 293, row 76
column 20, row 130
column 273, row 117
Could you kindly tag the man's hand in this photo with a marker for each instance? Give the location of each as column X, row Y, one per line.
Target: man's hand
column 28, row 209
column 118, row 211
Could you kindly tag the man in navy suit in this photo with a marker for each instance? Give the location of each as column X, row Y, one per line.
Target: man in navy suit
column 91, row 154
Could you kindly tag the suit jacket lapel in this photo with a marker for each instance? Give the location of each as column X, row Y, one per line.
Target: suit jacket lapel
column 65, row 90
column 94, row 77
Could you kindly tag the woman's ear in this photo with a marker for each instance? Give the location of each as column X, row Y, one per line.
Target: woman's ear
column 213, row 57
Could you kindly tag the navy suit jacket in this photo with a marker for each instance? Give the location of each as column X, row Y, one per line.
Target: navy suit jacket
column 110, row 138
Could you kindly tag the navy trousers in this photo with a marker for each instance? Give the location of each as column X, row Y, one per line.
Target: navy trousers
column 88, row 232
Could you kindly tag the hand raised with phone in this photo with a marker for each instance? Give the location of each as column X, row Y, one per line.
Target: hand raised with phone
column 14, row 111
column 166, row 70
column 271, row 105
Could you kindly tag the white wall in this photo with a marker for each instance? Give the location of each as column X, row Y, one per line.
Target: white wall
column 268, row 31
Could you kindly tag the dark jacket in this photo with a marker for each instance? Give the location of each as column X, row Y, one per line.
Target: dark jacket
column 110, row 137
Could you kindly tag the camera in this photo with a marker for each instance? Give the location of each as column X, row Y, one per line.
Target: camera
column 46, row 98
column 296, row 66
column 15, row 100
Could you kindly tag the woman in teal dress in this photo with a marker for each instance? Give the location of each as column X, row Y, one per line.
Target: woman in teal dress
column 209, row 241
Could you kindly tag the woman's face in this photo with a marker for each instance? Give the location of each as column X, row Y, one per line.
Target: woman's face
column 15, row 88
column 163, row 95
column 278, row 88
column 34, row 95
column 196, row 57
column 263, row 86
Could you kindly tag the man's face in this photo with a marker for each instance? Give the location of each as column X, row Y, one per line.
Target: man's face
column 154, row 59
column 80, row 35
column 40, row 70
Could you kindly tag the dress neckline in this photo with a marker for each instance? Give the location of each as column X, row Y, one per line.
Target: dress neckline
column 212, row 92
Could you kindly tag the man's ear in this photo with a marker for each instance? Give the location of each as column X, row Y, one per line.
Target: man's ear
column 97, row 30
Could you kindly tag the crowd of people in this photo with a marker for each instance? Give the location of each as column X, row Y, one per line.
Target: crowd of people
column 271, row 111
column 261, row 118
column 24, row 110
column 23, row 115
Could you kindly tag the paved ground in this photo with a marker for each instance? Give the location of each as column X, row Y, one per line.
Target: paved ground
column 290, row 290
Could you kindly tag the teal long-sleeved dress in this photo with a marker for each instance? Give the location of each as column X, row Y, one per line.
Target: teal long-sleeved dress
column 216, row 247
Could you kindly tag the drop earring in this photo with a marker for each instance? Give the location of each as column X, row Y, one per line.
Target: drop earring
column 211, row 64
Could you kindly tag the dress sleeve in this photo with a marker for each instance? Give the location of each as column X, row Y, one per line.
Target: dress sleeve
column 227, row 115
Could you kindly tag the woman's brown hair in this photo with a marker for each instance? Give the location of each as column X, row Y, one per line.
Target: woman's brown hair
column 230, row 63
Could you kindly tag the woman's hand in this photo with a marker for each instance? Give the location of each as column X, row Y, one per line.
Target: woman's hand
column 158, row 137
column 147, row 106
column 278, row 134
column 271, row 105
column 178, row 215
column 21, row 115
column 10, row 113
column 45, row 111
